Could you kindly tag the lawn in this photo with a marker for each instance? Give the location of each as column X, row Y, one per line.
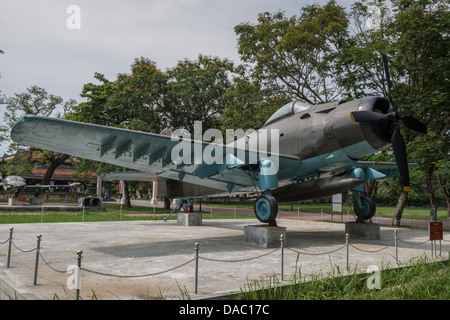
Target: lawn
column 415, row 280
column 382, row 211
column 113, row 213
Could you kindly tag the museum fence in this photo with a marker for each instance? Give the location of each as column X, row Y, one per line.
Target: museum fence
column 197, row 258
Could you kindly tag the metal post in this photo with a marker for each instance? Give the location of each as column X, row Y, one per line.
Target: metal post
column 82, row 219
column 196, row 265
column 321, row 215
column 120, row 213
column 411, row 220
column 298, row 213
column 347, row 237
column 234, row 212
column 211, row 211
column 435, row 248
column 154, row 213
column 11, row 230
column 38, row 247
column 431, row 242
column 42, row 214
column 282, row 256
column 78, row 279
column 395, row 243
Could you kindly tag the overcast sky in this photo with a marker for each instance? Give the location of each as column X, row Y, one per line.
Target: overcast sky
column 40, row 49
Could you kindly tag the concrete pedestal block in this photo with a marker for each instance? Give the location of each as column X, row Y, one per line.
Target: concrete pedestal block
column 264, row 236
column 36, row 201
column 367, row 231
column 189, row 219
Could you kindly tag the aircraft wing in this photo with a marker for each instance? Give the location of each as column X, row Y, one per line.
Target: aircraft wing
column 148, row 152
column 133, row 176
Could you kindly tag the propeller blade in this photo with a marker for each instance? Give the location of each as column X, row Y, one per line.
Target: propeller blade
column 370, row 116
column 398, row 144
column 414, row 124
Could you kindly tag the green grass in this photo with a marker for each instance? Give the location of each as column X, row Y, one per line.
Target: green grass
column 382, row 211
column 417, row 280
column 112, row 213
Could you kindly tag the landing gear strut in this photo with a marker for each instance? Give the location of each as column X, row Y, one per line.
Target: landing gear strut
column 266, row 209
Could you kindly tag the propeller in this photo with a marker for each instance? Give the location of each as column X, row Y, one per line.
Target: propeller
column 398, row 143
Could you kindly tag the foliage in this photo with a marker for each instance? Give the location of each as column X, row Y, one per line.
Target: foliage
column 36, row 101
column 194, row 92
column 297, row 54
column 415, row 280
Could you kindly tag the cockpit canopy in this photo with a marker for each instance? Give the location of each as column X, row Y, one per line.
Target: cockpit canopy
column 288, row 110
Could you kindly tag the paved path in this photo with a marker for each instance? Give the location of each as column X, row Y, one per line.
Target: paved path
column 117, row 253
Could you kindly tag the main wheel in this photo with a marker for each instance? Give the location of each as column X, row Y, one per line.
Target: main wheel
column 266, row 208
column 367, row 209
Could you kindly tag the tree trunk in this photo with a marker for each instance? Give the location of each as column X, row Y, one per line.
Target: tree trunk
column 372, row 187
column 445, row 192
column 430, row 191
column 126, row 194
column 53, row 162
column 399, row 208
column 166, row 204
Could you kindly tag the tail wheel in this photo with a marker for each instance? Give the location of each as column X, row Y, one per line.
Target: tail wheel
column 367, row 209
column 266, row 208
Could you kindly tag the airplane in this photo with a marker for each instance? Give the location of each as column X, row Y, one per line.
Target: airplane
column 17, row 184
column 313, row 151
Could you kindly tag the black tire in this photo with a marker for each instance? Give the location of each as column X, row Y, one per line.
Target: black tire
column 368, row 208
column 266, row 208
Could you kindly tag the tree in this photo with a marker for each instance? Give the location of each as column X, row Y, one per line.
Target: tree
column 423, row 45
column 36, row 101
column 249, row 103
column 415, row 36
column 297, row 54
column 195, row 92
column 139, row 97
column 131, row 101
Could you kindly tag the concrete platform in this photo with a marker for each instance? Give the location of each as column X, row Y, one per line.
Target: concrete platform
column 263, row 236
column 189, row 219
column 367, row 231
column 166, row 250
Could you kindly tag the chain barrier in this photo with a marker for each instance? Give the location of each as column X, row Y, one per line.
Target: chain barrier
column 197, row 257
column 239, row 260
column 25, row 251
column 48, row 265
column 137, row 276
column 315, row 254
column 414, row 243
column 369, row 251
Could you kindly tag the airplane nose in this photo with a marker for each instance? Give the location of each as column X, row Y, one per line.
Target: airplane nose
column 378, row 133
